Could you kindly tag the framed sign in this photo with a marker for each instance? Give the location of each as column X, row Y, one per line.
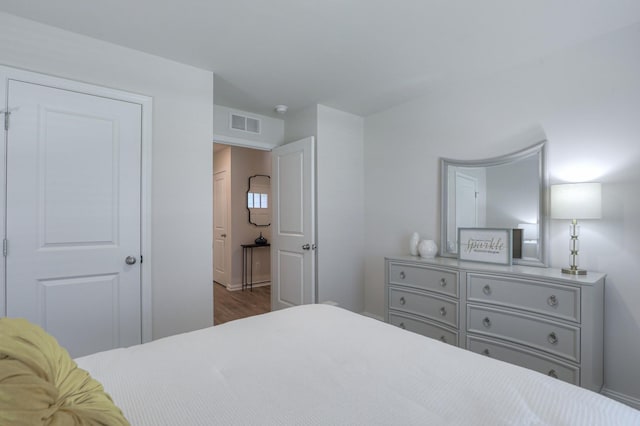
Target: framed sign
column 488, row 245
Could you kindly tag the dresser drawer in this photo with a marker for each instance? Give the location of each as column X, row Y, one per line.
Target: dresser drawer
column 438, row 280
column 425, row 328
column 536, row 296
column 533, row 360
column 425, row 305
column 533, row 331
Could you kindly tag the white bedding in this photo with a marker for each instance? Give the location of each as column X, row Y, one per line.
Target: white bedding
column 322, row 365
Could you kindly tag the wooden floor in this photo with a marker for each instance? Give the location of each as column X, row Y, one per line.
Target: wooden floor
column 232, row 305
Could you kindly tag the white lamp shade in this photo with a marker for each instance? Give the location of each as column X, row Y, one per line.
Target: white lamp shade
column 576, row 201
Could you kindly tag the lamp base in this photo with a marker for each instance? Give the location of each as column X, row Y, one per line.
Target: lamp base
column 574, row 271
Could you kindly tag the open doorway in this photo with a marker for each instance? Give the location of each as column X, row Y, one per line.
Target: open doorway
column 242, row 273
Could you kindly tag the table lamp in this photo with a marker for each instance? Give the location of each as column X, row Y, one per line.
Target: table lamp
column 576, row 201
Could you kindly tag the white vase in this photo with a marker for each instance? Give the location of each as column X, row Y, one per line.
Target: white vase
column 413, row 244
column 427, row 248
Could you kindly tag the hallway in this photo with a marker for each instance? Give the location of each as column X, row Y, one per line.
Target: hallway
column 232, row 305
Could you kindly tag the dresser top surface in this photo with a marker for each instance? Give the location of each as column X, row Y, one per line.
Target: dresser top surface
column 591, row 278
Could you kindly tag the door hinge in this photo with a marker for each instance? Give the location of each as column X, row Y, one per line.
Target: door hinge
column 5, row 244
column 7, row 113
column 140, row 258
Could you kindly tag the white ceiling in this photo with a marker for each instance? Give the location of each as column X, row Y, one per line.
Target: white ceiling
column 360, row 56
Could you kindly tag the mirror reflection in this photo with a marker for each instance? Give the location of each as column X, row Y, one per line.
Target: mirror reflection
column 502, row 192
column 259, row 200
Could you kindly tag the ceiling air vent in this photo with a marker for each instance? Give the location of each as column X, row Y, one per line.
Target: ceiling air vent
column 246, row 124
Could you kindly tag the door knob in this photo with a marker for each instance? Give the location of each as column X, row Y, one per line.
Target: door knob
column 130, row 260
column 223, row 235
column 306, row 247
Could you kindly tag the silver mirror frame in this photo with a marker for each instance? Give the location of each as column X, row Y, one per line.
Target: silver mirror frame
column 543, row 202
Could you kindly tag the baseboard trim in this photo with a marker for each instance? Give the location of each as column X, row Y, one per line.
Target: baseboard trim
column 236, row 287
column 370, row 315
column 620, row 397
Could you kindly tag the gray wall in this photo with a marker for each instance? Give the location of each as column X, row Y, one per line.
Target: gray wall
column 181, row 163
column 340, row 163
column 585, row 101
column 340, row 216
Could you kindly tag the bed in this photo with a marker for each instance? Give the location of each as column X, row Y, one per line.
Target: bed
column 323, row 365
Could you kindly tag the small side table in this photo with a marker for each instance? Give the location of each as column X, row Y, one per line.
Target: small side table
column 247, row 264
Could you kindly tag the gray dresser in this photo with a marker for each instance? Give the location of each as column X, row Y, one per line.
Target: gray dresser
column 537, row 318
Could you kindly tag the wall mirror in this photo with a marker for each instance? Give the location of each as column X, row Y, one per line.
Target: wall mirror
column 503, row 192
column 259, row 200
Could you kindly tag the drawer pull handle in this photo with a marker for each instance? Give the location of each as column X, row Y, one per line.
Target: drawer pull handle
column 552, row 338
column 402, row 326
column 402, row 300
column 402, row 275
column 552, row 300
column 486, row 322
column 486, row 352
column 552, row 373
column 486, row 290
column 443, row 311
column 443, row 339
column 443, row 282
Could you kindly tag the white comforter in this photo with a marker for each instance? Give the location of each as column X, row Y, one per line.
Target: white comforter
column 321, row 365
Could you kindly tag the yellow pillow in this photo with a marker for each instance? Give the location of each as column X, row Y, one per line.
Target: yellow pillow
column 41, row 385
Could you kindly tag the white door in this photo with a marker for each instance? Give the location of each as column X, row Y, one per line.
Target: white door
column 293, row 256
column 73, row 216
column 220, row 224
column 466, row 201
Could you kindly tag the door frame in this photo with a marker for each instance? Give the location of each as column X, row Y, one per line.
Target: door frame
column 267, row 146
column 227, row 247
column 240, row 143
column 146, row 102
